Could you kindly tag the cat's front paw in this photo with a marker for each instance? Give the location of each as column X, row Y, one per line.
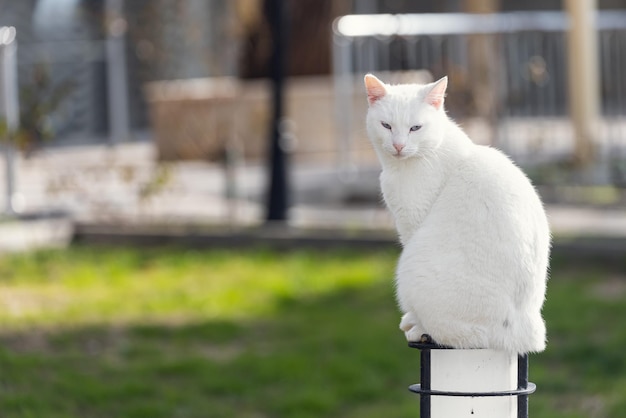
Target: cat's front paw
column 413, row 330
column 412, row 327
column 408, row 321
column 416, row 335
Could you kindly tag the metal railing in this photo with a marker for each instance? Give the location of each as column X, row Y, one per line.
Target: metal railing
column 9, row 108
column 508, row 78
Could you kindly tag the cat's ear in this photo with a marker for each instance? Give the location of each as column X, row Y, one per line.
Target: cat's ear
column 437, row 93
column 375, row 89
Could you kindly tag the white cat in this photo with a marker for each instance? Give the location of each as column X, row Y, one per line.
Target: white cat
column 475, row 237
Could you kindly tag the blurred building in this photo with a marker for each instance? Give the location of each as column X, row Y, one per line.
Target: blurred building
column 185, row 39
column 191, row 77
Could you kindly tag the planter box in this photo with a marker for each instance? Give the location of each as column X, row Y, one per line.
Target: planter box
column 192, row 118
column 201, row 119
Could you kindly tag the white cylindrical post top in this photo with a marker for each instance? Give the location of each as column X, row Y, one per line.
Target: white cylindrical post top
column 477, row 383
column 473, row 371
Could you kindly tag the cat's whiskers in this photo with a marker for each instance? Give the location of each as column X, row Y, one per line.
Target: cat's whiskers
column 427, row 161
column 426, row 157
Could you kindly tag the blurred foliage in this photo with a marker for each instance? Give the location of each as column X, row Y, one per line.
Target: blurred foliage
column 38, row 100
column 161, row 177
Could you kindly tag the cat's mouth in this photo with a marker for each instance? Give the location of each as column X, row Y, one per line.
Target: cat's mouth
column 401, row 155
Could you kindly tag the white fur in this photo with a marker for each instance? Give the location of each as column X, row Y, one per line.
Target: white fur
column 475, row 237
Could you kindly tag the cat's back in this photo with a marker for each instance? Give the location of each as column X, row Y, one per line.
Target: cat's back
column 487, row 175
column 489, row 201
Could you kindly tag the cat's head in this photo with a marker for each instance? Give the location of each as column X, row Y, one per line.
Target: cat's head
column 405, row 120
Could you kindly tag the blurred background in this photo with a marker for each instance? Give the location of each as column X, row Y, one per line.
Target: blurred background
column 164, row 111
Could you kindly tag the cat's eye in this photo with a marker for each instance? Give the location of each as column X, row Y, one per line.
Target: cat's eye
column 415, row 128
column 386, row 125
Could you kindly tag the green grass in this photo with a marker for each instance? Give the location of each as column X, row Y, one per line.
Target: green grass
column 93, row 332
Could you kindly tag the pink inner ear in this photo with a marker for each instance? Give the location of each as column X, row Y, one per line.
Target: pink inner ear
column 436, row 95
column 375, row 89
column 375, row 94
column 436, row 102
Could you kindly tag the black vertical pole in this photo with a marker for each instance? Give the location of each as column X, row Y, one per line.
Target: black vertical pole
column 522, row 383
column 277, row 196
column 425, row 383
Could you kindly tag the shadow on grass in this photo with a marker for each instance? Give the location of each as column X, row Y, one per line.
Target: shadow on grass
column 335, row 355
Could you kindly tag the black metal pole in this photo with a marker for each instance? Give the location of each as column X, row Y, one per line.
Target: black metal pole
column 522, row 383
column 425, row 383
column 277, row 199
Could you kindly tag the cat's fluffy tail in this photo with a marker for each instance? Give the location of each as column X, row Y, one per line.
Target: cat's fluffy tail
column 524, row 334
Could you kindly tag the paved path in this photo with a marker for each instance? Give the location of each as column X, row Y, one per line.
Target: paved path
column 124, row 185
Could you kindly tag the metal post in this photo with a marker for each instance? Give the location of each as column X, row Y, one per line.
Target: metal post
column 425, row 383
column 343, row 80
column 583, row 57
column 479, row 383
column 9, row 107
column 117, row 75
column 277, row 196
column 522, row 384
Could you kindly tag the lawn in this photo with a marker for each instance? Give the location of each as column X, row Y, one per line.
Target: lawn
column 102, row 332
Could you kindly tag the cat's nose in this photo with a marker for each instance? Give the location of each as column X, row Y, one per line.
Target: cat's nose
column 398, row 147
